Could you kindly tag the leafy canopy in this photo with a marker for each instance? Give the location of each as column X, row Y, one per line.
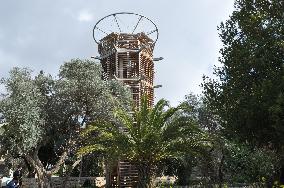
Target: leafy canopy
column 248, row 91
column 145, row 135
column 45, row 111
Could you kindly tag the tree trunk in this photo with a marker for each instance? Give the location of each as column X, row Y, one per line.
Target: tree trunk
column 31, row 169
column 220, row 171
column 69, row 171
column 281, row 179
column 44, row 176
column 183, row 175
column 81, row 170
column 44, row 179
column 144, row 176
column 107, row 171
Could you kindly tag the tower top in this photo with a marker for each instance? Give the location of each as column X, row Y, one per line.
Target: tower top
column 125, row 23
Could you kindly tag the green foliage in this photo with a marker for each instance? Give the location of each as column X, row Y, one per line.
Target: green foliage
column 43, row 113
column 249, row 165
column 248, row 92
column 145, row 136
column 226, row 160
column 152, row 134
column 22, row 110
column 181, row 168
column 247, row 95
column 232, row 162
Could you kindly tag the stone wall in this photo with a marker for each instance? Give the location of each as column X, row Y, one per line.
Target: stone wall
column 72, row 182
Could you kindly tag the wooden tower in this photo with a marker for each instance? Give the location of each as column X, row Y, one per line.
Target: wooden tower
column 127, row 57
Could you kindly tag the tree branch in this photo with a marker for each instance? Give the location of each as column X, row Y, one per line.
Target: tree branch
column 56, row 167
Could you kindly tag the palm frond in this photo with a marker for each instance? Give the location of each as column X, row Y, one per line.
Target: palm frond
column 91, row 148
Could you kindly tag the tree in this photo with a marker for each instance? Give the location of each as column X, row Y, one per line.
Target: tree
column 153, row 134
column 181, row 168
column 42, row 113
column 209, row 164
column 226, row 160
column 248, row 92
column 244, row 164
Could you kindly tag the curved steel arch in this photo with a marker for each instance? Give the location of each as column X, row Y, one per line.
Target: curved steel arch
column 122, row 13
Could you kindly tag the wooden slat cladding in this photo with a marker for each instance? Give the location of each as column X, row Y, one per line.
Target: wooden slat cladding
column 129, row 58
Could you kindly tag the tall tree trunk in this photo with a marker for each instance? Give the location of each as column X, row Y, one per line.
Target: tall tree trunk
column 69, row 171
column 44, row 179
column 107, row 171
column 31, row 169
column 44, row 176
column 281, row 178
column 220, row 170
column 81, row 170
column 281, row 170
column 183, row 175
column 144, row 176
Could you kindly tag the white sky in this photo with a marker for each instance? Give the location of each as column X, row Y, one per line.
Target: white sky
column 42, row 34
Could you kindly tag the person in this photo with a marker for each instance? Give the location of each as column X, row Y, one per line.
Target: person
column 18, row 175
column 13, row 183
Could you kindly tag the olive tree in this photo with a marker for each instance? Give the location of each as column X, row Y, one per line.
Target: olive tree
column 42, row 112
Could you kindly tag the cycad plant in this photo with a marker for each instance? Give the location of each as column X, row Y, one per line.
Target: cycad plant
column 145, row 136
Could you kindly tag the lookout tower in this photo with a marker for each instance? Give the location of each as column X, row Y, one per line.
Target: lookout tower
column 125, row 44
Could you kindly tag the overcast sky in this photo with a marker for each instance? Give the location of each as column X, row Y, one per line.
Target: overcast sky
column 42, row 34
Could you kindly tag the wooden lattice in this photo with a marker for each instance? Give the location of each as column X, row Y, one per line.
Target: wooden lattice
column 129, row 58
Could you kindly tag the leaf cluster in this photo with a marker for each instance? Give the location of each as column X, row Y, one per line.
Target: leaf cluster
column 145, row 135
column 248, row 92
column 43, row 111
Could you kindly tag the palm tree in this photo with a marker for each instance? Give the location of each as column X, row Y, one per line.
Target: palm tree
column 152, row 135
